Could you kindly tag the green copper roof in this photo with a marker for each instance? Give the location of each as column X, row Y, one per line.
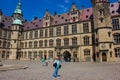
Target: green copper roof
column 17, row 21
column 18, row 8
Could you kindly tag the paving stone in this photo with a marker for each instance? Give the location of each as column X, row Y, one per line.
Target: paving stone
column 68, row 71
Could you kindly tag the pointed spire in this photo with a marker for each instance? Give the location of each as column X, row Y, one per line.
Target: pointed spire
column 1, row 12
column 47, row 13
column 18, row 8
column 73, row 7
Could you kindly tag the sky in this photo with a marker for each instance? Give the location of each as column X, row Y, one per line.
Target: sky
column 32, row 8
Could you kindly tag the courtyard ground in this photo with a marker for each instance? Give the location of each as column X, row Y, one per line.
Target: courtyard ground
column 68, row 71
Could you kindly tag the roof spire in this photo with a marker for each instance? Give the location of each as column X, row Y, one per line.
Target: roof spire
column 18, row 8
column 119, row 1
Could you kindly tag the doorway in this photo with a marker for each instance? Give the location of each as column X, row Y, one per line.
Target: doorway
column 18, row 55
column 104, row 57
column 67, row 56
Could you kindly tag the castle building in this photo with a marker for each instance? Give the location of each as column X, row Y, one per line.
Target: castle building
column 91, row 34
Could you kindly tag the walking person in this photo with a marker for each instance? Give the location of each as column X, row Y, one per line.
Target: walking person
column 43, row 61
column 57, row 66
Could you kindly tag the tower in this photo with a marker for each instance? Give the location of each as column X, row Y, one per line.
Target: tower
column 74, row 13
column 16, row 29
column 47, row 19
column 102, row 30
column 18, row 12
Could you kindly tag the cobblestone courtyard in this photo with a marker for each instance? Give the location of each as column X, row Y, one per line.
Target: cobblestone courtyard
column 69, row 71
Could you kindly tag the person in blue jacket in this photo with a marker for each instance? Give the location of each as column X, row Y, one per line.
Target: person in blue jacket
column 57, row 66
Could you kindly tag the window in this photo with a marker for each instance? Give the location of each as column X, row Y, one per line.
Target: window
column 117, row 52
column 58, row 42
column 41, row 43
column 74, row 41
column 22, row 36
column 5, row 34
column 30, row 44
column 0, row 43
column 8, row 46
column 101, row 19
column 50, row 43
column 41, row 33
column 58, row 31
column 85, row 28
column 115, row 23
column 116, row 38
column 86, row 40
column 50, row 54
column 45, row 43
column 30, row 35
column 86, row 52
column 46, row 32
column 22, row 44
column 26, row 35
column 101, row 11
column 35, row 54
column 9, row 35
column 0, row 33
column 74, row 29
column 51, row 32
column 35, row 44
column 30, row 55
column 4, row 44
column 40, row 54
column 66, row 42
column 25, row 54
column 25, row 44
column 65, row 30
column 36, row 34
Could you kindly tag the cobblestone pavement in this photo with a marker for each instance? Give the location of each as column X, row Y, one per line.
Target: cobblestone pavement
column 68, row 71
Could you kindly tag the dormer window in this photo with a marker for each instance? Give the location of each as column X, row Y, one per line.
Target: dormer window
column 101, row 20
column 55, row 21
column 5, row 18
column 87, row 10
column 74, row 19
column 3, row 21
column 46, row 15
column 62, row 17
column 58, row 15
column 40, row 20
column 113, row 12
column 86, row 16
column 101, row 11
column 36, row 25
column 46, row 18
column 66, row 20
column 112, row 5
column 46, row 24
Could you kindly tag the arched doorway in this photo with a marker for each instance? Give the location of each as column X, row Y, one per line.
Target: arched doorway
column 104, row 56
column 67, row 56
column 19, row 55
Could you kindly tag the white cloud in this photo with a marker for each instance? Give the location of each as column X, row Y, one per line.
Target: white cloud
column 64, row 8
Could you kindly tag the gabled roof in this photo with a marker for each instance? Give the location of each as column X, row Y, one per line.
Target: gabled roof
column 6, row 21
column 85, row 14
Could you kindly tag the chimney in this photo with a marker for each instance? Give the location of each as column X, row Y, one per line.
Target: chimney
column 119, row 1
column 55, row 13
column 35, row 18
